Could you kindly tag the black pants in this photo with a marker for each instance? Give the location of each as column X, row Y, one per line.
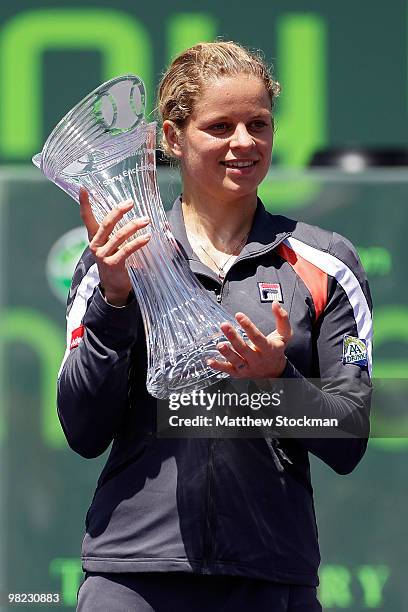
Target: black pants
column 181, row 592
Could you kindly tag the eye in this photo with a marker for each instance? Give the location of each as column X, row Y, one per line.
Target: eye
column 258, row 125
column 219, row 128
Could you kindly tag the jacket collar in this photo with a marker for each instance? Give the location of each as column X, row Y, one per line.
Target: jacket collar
column 266, row 233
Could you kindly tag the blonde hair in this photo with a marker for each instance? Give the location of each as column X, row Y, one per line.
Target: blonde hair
column 183, row 82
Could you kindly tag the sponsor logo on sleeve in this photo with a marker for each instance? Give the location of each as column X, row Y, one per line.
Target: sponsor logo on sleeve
column 354, row 350
column 76, row 336
column 270, row 292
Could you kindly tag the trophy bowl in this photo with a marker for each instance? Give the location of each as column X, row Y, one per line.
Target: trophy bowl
column 105, row 145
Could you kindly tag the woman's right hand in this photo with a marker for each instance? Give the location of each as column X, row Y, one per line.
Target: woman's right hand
column 109, row 251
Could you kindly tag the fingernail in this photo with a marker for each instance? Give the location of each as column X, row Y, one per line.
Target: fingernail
column 144, row 219
column 147, row 236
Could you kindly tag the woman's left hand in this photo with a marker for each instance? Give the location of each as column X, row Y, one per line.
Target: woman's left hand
column 263, row 357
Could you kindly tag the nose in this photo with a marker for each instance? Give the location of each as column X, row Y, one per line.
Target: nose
column 241, row 137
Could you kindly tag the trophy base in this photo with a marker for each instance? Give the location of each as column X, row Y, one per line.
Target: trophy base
column 186, row 373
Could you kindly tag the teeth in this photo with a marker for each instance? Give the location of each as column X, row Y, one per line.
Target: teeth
column 239, row 164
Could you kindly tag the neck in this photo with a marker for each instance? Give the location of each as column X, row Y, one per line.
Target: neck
column 217, row 222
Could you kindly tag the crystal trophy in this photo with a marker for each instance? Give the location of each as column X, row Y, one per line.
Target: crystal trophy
column 105, row 145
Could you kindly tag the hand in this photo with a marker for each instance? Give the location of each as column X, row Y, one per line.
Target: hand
column 111, row 251
column 263, row 357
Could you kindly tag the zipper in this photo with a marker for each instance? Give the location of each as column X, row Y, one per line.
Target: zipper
column 207, row 540
column 207, row 543
column 218, row 293
column 270, row 247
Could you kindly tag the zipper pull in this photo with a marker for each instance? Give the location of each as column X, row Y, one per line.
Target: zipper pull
column 219, row 296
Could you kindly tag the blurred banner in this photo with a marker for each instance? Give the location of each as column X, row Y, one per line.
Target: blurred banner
column 342, row 65
column 46, row 488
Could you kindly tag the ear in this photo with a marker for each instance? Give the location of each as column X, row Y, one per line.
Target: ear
column 172, row 136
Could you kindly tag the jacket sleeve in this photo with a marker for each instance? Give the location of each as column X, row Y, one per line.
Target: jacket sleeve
column 93, row 379
column 343, row 390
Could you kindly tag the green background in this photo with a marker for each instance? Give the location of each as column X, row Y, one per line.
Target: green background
column 343, row 69
column 46, row 488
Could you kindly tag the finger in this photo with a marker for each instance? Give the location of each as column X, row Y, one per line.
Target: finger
column 226, row 351
column 109, row 221
column 222, row 366
column 86, row 213
column 118, row 239
column 236, row 340
column 283, row 326
column 128, row 249
column 254, row 334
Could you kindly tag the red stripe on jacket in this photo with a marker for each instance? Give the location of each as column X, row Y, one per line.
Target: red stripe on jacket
column 315, row 279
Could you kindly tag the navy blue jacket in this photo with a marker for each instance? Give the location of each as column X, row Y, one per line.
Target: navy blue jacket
column 217, row 506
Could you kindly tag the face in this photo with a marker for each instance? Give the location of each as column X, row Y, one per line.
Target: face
column 225, row 148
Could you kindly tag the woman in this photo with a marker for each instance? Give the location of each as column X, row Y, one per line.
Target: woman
column 220, row 524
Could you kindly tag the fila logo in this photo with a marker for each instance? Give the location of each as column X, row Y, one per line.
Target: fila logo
column 270, row 292
column 76, row 336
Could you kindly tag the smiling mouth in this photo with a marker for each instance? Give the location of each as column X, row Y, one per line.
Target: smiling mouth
column 239, row 164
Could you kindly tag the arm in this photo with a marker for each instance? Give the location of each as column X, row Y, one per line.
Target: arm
column 345, row 389
column 93, row 380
